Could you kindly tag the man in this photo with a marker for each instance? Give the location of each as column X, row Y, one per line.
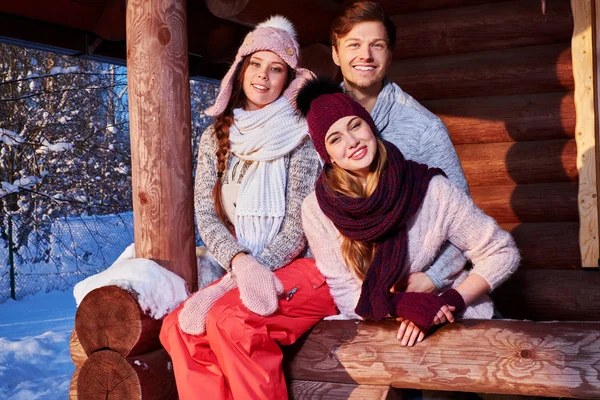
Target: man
column 362, row 39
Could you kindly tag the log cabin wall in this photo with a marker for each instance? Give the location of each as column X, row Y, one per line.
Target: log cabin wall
column 499, row 74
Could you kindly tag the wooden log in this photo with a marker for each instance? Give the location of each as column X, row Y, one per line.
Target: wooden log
column 559, row 359
column 586, row 15
column 111, row 318
column 550, row 296
column 532, row 69
column 309, row 390
column 211, row 37
column 549, row 245
column 311, row 18
column 317, row 58
column 108, row 375
column 524, row 162
column 110, row 24
column 393, row 7
column 538, row 202
column 159, row 119
column 73, row 386
column 497, row 119
column 483, row 27
column 77, row 352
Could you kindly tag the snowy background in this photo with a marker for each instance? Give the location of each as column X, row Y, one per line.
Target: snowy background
column 65, row 203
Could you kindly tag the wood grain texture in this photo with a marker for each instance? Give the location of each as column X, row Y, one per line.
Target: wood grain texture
column 547, row 245
column 311, row 18
column 499, row 356
column 583, row 70
column 111, row 318
column 537, row 202
column 310, row 390
column 73, row 385
column 493, row 26
column 522, row 162
column 524, row 70
column 497, row 119
column 550, row 296
column 159, row 118
column 393, row 7
column 108, row 375
column 76, row 350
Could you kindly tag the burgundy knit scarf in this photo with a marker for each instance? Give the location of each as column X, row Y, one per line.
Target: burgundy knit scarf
column 383, row 218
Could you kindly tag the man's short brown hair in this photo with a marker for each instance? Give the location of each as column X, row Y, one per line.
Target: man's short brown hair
column 362, row 11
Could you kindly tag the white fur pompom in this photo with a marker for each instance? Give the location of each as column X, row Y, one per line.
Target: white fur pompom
column 279, row 22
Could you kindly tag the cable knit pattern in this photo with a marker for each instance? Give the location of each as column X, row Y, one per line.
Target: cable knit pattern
column 447, row 214
column 303, row 168
column 422, row 137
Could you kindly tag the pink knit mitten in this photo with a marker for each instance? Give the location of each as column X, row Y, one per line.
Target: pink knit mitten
column 259, row 287
column 192, row 317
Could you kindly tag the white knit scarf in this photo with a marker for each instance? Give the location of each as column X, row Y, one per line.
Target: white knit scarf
column 264, row 137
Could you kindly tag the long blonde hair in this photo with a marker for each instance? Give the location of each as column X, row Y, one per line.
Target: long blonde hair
column 357, row 255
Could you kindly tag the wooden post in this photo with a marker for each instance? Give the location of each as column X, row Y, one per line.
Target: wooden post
column 582, row 47
column 160, row 126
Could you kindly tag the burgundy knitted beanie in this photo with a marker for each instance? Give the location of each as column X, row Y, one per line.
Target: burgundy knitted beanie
column 323, row 103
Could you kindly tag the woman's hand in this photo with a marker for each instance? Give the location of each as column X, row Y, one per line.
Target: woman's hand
column 408, row 333
column 415, row 282
column 444, row 315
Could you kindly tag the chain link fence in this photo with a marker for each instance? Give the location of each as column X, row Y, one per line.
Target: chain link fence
column 76, row 248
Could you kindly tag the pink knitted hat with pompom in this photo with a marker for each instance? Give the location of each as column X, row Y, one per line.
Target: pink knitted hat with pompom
column 277, row 34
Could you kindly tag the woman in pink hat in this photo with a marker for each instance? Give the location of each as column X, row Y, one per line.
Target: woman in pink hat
column 256, row 165
column 376, row 217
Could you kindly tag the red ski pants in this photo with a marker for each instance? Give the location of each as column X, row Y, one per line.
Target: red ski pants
column 238, row 357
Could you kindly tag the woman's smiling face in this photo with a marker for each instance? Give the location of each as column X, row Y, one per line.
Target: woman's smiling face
column 351, row 144
column 264, row 79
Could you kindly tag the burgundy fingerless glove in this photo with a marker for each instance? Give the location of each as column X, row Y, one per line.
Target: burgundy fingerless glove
column 419, row 308
column 452, row 298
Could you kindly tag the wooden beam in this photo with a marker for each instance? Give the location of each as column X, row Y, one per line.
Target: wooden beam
column 309, row 390
column 547, row 245
column 585, row 88
column 160, row 126
column 537, row 202
column 524, row 70
column 393, row 7
column 550, row 296
column 504, row 25
column 494, row 119
column 110, row 317
column 560, row 359
column 522, row 162
column 311, row 18
column 106, row 374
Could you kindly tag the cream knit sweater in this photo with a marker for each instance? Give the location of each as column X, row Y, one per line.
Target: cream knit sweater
column 447, row 213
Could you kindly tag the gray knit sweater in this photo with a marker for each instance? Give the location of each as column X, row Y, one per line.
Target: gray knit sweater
column 303, row 166
column 422, row 137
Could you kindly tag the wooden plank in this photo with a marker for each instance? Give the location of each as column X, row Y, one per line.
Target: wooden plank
column 159, row 120
column 110, row 318
column 537, row 202
column 525, row 70
column 550, row 296
column 309, row 390
column 583, row 70
column 496, row 119
column 559, row 359
column 492, row 26
column 311, row 18
column 549, row 245
column 393, row 7
column 522, row 162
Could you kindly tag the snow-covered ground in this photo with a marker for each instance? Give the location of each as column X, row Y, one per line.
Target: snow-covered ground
column 34, row 346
